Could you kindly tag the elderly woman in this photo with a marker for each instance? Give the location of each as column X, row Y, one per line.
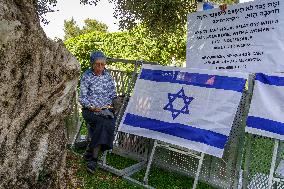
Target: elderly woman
column 96, row 96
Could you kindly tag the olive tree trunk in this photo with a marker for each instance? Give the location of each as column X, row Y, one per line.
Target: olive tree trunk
column 38, row 79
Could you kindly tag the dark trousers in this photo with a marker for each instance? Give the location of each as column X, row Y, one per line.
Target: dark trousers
column 101, row 130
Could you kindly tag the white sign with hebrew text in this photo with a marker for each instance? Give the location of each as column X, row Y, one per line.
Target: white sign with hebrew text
column 247, row 37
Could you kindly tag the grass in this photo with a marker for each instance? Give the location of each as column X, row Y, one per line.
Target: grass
column 261, row 155
column 159, row 178
column 164, row 179
column 80, row 178
column 259, row 163
column 119, row 162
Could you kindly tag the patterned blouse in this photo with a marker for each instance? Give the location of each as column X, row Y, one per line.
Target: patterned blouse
column 96, row 91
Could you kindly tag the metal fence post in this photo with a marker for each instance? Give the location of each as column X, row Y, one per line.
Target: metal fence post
column 273, row 164
column 242, row 144
column 145, row 180
column 247, row 161
column 198, row 171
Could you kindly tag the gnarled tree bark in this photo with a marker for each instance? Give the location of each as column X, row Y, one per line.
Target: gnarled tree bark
column 38, row 79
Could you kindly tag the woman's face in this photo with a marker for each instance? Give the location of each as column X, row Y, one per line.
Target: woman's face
column 99, row 66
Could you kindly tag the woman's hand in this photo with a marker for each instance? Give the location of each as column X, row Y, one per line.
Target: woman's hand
column 93, row 109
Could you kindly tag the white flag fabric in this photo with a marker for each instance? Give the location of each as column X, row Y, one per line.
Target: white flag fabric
column 187, row 107
column 266, row 114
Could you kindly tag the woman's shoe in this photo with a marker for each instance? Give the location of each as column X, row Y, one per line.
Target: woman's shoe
column 91, row 166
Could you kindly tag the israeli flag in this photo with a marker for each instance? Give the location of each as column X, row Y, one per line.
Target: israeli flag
column 190, row 108
column 266, row 114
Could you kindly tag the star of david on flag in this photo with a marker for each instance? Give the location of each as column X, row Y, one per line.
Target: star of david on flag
column 161, row 107
column 172, row 97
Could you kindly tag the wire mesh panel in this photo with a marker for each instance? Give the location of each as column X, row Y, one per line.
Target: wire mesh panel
column 176, row 161
column 278, row 184
column 257, row 163
column 122, row 80
column 125, row 144
column 72, row 121
column 132, row 146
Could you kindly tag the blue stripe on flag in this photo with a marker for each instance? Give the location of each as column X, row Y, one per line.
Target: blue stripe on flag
column 265, row 124
column 270, row 80
column 195, row 79
column 179, row 130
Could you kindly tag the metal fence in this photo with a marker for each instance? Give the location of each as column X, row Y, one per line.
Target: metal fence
column 263, row 163
column 239, row 167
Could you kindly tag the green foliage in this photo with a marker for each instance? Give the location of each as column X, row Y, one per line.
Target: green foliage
column 160, row 16
column 133, row 45
column 43, row 7
column 94, row 25
column 229, row 2
column 71, row 29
